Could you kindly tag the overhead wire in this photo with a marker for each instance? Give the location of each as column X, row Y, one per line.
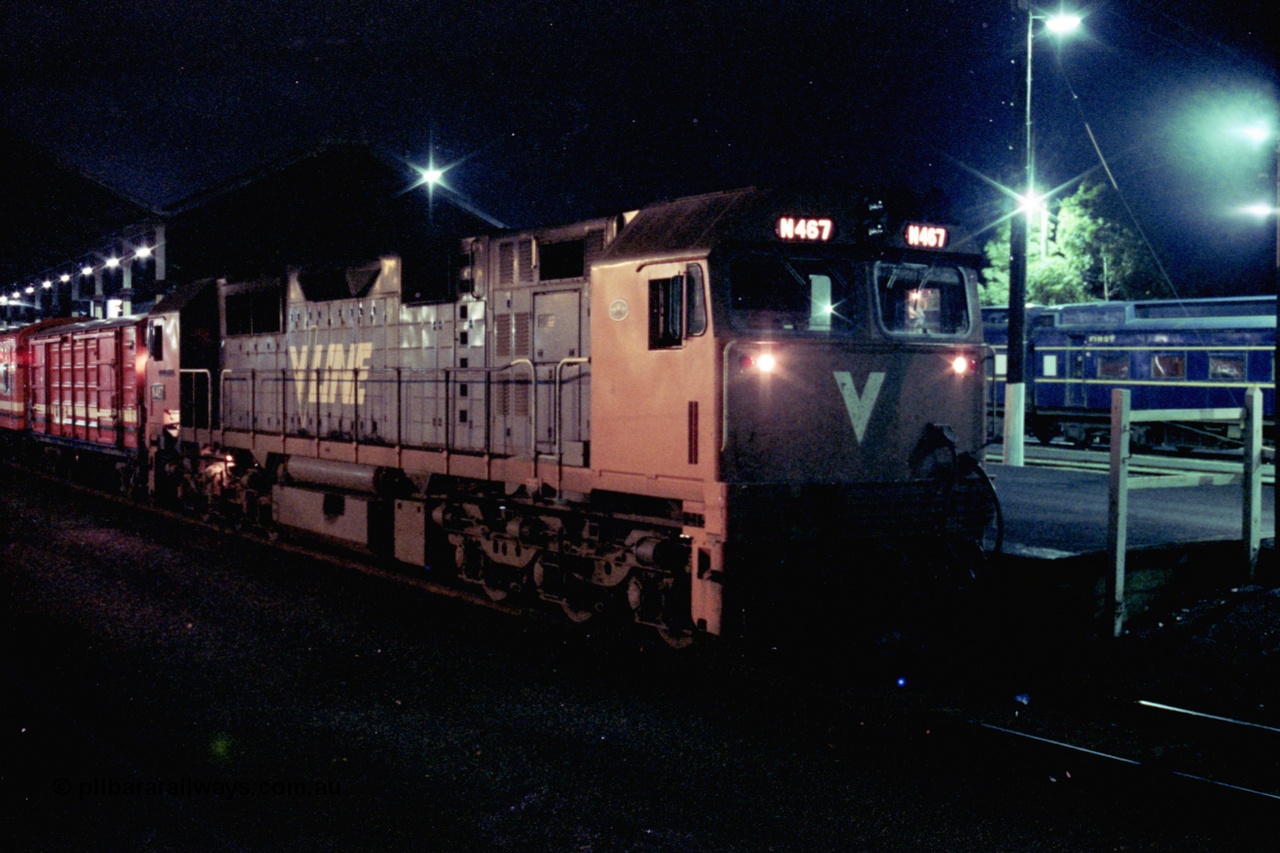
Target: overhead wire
column 1111, row 178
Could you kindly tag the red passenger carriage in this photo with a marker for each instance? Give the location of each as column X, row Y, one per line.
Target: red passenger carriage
column 84, row 385
column 15, row 363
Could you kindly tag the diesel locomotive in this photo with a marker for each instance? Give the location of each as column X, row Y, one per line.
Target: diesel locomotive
column 672, row 415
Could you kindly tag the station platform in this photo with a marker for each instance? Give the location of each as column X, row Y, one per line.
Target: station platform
column 1051, row 513
column 1183, row 543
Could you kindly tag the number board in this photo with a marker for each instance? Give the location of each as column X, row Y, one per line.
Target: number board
column 920, row 236
column 810, row 229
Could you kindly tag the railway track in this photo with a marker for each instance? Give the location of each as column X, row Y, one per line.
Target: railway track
column 1097, row 735
column 365, row 564
column 1235, row 756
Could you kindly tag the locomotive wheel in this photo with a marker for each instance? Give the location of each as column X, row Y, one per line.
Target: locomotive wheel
column 574, row 613
column 675, row 639
column 581, row 601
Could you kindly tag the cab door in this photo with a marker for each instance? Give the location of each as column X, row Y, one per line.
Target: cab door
column 654, row 392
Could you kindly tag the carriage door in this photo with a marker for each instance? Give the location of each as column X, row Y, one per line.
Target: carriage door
column 1074, row 395
column 102, row 361
column 560, row 395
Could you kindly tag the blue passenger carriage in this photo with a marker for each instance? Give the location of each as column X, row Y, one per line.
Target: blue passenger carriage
column 1170, row 354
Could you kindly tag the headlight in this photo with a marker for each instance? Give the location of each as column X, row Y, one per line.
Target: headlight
column 764, row 362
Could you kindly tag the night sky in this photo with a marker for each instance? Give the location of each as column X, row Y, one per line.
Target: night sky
column 554, row 111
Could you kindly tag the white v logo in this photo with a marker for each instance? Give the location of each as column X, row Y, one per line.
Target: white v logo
column 859, row 406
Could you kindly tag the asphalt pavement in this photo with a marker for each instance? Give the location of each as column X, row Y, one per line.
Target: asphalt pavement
column 1054, row 512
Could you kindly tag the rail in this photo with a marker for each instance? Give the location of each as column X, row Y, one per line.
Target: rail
column 1121, row 483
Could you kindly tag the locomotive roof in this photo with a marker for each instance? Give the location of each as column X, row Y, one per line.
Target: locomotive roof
column 91, row 324
column 1217, row 311
column 37, row 327
column 178, row 298
column 697, row 224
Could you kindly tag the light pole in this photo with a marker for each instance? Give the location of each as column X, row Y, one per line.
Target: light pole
column 1015, row 371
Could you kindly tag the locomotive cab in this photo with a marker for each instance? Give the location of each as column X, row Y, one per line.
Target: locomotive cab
column 813, row 373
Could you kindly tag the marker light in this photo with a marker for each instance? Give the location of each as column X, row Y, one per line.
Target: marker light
column 143, row 252
column 113, row 262
column 960, row 365
column 86, row 270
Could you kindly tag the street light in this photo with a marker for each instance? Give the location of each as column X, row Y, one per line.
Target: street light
column 1260, row 134
column 1014, row 386
column 1259, row 209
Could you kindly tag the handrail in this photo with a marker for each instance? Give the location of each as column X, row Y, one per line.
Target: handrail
column 319, row 376
column 208, row 401
column 533, row 401
column 556, row 400
column 724, row 394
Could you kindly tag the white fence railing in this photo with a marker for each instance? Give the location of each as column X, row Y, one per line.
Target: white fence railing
column 1122, row 418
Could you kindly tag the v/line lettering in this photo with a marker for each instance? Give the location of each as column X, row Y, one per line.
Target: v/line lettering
column 859, row 406
column 327, row 374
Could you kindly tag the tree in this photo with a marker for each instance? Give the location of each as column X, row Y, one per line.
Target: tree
column 1075, row 253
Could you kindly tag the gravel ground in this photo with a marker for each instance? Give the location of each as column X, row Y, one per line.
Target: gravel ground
column 170, row 689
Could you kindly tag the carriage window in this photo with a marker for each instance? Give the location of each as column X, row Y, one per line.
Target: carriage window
column 1113, row 365
column 922, row 300
column 1226, row 366
column 1165, row 365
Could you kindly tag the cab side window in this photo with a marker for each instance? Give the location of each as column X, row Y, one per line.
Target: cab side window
column 677, row 309
column 155, row 344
